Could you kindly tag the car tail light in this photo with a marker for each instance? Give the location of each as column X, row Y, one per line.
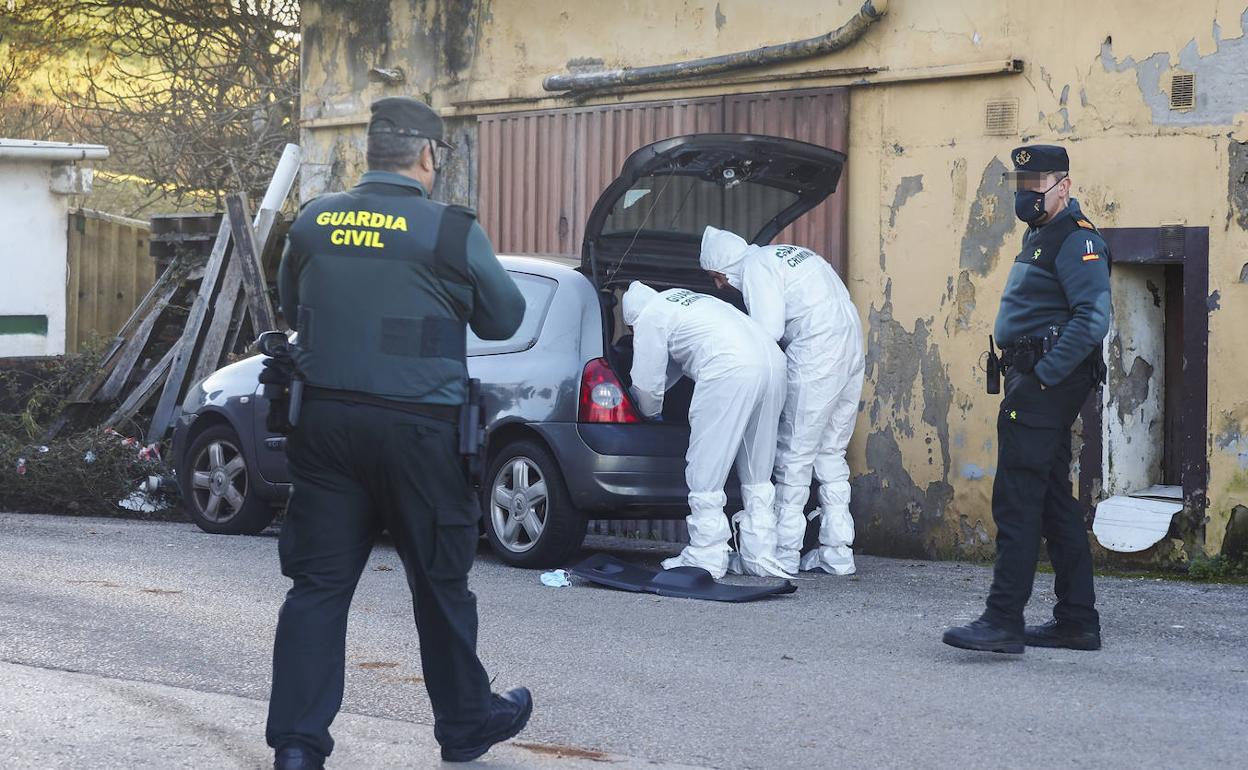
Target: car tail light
column 602, row 395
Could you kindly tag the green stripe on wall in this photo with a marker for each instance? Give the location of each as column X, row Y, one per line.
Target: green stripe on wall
column 24, row 324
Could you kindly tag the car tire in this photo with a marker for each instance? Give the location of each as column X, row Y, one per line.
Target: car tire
column 526, row 532
column 217, row 493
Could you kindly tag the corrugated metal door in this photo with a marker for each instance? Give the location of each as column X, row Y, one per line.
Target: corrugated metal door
column 820, row 117
column 540, row 173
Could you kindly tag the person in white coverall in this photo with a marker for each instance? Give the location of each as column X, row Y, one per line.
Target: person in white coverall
column 738, row 374
column 800, row 301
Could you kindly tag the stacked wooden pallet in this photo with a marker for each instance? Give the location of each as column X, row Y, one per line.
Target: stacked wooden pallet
column 192, row 320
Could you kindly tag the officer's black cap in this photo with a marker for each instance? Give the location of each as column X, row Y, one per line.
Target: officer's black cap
column 406, row 116
column 1041, row 158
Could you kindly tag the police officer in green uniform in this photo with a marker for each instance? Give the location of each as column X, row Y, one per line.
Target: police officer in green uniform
column 1053, row 318
column 381, row 283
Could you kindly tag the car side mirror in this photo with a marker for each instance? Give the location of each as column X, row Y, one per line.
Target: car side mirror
column 274, row 344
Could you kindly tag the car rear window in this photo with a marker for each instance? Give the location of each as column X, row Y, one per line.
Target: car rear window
column 538, row 291
column 686, row 205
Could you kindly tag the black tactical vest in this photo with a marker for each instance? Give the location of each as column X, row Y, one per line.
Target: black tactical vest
column 384, row 292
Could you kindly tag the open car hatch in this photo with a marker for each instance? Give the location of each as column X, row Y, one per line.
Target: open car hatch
column 647, row 225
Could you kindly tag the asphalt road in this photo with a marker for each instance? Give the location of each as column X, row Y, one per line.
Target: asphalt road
column 846, row 672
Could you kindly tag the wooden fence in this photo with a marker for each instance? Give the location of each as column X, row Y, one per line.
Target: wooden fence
column 110, row 270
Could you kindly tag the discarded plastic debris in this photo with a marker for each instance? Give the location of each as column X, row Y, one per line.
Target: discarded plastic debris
column 43, row 450
column 89, row 457
column 681, row 582
column 556, row 579
column 1129, row 524
column 21, row 466
column 139, row 501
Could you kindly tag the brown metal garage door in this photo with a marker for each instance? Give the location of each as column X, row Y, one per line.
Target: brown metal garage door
column 541, row 172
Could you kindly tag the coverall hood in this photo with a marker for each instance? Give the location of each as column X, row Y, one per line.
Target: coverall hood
column 724, row 252
column 635, row 300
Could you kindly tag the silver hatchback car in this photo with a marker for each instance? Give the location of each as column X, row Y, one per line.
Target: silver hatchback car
column 565, row 443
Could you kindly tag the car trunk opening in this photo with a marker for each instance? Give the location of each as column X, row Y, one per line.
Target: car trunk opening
column 647, row 225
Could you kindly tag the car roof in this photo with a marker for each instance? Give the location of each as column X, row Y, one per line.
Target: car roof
column 552, row 266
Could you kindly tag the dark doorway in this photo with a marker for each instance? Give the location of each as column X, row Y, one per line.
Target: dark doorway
column 1185, row 253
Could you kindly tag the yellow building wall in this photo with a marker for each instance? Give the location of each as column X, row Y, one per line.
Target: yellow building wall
column 932, row 232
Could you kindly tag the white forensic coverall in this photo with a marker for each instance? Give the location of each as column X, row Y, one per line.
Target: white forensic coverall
column 738, row 393
column 800, row 301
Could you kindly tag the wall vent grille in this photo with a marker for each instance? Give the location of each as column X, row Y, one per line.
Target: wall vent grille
column 1001, row 117
column 1182, row 92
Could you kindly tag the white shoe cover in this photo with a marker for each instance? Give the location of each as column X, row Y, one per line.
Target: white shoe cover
column 713, row 559
column 832, row 559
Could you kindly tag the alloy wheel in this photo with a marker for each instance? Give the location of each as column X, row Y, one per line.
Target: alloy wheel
column 518, row 505
column 219, row 481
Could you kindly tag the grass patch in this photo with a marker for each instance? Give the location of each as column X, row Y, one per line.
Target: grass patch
column 1201, row 570
column 1219, row 569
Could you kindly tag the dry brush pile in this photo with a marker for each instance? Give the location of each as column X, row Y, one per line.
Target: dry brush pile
column 88, row 470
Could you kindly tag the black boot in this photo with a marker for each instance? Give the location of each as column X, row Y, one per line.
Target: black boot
column 985, row 637
column 509, row 713
column 295, row 758
column 1055, row 633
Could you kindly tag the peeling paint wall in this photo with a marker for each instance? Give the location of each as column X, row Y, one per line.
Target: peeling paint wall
column 1134, row 396
column 991, row 221
column 433, row 43
column 931, row 229
column 1219, row 75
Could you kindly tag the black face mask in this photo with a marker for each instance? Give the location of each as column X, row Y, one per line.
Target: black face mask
column 1029, row 204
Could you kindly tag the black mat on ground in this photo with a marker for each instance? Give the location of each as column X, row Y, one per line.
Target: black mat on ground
column 680, row 583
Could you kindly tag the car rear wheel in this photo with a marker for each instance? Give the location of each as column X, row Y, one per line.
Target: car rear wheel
column 529, row 518
column 216, row 489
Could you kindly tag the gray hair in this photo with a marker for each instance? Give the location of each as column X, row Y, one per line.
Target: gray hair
column 393, row 152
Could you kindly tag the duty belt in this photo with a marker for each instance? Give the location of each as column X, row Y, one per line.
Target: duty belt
column 1025, row 352
column 443, row 412
column 1022, row 348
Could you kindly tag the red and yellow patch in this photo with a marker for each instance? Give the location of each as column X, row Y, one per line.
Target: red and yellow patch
column 1091, row 257
column 1085, row 224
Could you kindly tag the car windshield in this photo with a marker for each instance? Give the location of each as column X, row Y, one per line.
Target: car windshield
column 687, row 204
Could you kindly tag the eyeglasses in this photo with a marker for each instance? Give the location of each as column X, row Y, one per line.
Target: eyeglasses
column 1030, row 180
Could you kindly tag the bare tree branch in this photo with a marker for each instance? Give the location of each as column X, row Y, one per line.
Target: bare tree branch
column 189, row 94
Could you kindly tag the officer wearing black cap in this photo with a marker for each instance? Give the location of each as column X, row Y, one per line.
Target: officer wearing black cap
column 1053, row 318
column 381, row 283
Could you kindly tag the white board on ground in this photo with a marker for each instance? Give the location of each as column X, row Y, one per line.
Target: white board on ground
column 1129, row 524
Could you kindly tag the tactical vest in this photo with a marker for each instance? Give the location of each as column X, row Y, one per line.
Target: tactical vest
column 384, row 293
